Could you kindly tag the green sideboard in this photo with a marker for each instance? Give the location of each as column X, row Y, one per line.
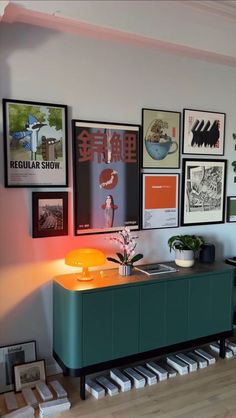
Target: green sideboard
column 113, row 320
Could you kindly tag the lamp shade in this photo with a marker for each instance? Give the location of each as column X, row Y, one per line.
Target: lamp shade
column 85, row 257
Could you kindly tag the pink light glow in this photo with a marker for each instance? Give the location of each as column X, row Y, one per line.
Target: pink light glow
column 14, row 13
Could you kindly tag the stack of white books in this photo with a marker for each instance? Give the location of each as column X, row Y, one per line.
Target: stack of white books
column 50, row 408
column 44, row 391
column 109, row 387
column 216, row 348
column 58, row 388
column 122, row 380
column 158, row 370
column 137, row 378
column 25, row 412
column 171, row 372
column 231, row 346
column 11, row 401
column 192, row 364
column 177, row 364
column 29, row 397
column 201, row 362
column 209, row 358
column 94, row 388
column 149, row 376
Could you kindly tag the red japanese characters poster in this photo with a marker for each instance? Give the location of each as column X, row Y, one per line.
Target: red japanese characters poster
column 106, row 176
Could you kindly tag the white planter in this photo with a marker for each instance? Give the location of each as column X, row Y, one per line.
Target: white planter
column 184, row 258
column 125, row 270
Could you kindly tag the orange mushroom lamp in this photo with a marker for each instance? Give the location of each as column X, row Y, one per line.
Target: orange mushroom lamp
column 85, row 258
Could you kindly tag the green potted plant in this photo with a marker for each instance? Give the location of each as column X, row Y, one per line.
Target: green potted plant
column 186, row 248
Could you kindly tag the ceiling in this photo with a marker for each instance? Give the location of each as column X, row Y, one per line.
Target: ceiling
column 202, row 29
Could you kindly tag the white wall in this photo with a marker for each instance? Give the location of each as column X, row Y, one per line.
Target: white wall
column 98, row 80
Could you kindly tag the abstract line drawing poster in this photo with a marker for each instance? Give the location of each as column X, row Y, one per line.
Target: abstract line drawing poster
column 160, row 207
column 106, row 176
column 204, row 132
column 35, row 140
column 203, row 191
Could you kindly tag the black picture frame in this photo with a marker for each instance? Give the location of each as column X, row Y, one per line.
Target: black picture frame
column 11, row 355
column 203, row 132
column 231, row 209
column 203, row 191
column 106, row 157
column 35, row 144
column 160, row 138
column 160, row 200
column 49, row 214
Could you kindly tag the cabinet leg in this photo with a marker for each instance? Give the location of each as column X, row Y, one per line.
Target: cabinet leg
column 222, row 347
column 82, row 388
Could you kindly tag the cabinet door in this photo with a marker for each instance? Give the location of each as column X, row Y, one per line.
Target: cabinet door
column 177, row 311
column 67, row 326
column 152, row 316
column 221, row 290
column 199, row 307
column 125, row 321
column 97, row 327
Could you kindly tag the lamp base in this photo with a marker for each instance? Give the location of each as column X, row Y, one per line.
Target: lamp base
column 85, row 276
column 85, row 279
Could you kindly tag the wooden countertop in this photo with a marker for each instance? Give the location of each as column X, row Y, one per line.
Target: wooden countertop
column 110, row 277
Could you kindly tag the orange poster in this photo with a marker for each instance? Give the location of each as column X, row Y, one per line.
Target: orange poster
column 160, row 200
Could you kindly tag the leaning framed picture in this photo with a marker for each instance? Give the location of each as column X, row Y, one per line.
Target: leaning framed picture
column 160, row 139
column 50, row 214
column 11, row 355
column 106, row 176
column 35, row 144
column 231, row 209
column 203, row 191
column 160, row 201
column 203, row 132
column 27, row 375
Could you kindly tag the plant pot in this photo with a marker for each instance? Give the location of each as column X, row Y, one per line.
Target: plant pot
column 184, row 258
column 125, row 270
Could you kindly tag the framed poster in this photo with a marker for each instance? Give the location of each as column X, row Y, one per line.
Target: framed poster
column 27, row 375
column 160, row 139
column 35, row 144
column 11, row 355
column 204, row 132
column 160, row 203
column 50, row 214
column 106, row 176
column 231, row 209
column 203, row 191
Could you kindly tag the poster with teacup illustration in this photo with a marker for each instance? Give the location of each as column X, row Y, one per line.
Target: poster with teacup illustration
column 160, row 138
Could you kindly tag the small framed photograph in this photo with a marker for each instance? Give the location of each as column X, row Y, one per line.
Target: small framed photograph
column 160, row 139
column 203, row 191
column 35, row 144
column 50, row 214
column 203, row 132
column 231, row 209
column 106, row 154
column 28, row 374
column 10, row 356
column 160, row 206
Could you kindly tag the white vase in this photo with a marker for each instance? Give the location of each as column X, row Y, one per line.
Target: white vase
column 184, row 258
column 125, row 270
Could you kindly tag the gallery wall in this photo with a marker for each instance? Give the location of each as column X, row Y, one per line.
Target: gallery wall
column 104, row 81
